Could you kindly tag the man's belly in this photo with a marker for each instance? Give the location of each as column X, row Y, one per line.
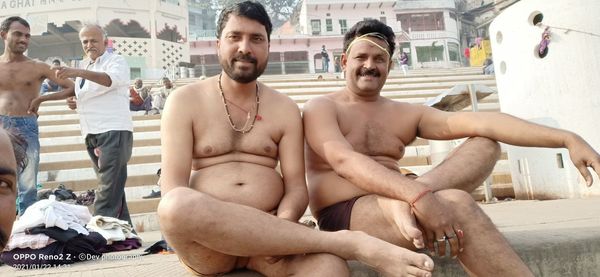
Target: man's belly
column 326, row 188
column 244, row 183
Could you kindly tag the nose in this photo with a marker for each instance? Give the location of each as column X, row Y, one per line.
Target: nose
column 244, row 46
column 369, row 63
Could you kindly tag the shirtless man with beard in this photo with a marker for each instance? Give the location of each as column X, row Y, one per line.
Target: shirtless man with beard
column 224, row 204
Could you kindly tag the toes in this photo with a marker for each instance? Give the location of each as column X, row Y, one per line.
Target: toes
column 426, row 262
column 423, row 268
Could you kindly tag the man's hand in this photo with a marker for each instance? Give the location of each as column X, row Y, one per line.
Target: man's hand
column 72, row 103
column 34, row 106
column 398, row 214
column 584, row 156
column 63, row 72
column 439, row 224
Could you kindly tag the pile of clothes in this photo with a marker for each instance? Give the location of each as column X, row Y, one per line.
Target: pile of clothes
column 52, row 232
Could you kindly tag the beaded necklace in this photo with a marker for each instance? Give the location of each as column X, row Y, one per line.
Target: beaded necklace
column 245, row 128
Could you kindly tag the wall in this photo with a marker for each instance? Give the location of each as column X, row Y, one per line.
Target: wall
column 559, row 90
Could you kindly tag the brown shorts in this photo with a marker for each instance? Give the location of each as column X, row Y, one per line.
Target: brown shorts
column 337, row 216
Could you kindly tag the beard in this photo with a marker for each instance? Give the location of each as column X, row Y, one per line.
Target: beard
column 243, row 76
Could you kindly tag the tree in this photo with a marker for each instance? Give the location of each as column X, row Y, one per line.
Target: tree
column 280, row 10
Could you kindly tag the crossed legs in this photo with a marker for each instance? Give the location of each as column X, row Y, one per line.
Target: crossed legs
column 486, row 251
column 461, row 172
column 218, row 234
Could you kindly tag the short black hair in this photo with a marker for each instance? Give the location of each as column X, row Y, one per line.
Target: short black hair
column 370, row 26
column 56, row 61
column 250, row 9
column 7, row 22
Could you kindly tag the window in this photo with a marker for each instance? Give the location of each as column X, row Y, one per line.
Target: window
column 430, row 53
column 329, row 25
column 343, row 26
column 453, row 51
column 316, row 26
column 421, row 21
column 383, row 20
column 192, row 19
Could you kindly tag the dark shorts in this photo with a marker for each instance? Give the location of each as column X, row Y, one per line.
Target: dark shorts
column 337, row 216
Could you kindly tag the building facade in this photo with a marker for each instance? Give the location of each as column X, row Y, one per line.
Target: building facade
column 429, row 35
column 151, row 34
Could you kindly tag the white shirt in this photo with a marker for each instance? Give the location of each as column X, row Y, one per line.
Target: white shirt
column 102, row 109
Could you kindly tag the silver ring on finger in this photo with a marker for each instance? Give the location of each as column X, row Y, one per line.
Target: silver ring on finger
column 443, row 238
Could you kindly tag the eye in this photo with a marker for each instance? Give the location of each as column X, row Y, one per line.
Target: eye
column 258, row 39
column 233, row 37
column 6, row 185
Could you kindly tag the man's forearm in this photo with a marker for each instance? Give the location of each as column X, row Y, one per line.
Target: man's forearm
column 375, row 178
column 63, row 94
column 100, row 78
column 292, row 205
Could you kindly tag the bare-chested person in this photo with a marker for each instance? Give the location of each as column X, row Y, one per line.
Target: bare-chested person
column 355, row 138
column 20, row 82
column 224, row 205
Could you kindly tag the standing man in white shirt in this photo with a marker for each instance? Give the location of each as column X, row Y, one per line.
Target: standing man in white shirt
column 102, row 101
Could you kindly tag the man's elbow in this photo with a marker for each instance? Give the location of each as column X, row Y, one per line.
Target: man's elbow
column 341, row 164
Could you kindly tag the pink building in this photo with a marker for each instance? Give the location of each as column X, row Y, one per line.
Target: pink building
column 426, row 30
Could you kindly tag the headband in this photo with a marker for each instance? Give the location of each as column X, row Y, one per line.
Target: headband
column 365, row 37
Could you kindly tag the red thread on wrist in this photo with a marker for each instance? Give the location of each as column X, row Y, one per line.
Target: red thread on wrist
column 418, row 197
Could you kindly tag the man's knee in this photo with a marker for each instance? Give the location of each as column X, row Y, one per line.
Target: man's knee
column 174, row 208
column 461, row 201
column 488, row 146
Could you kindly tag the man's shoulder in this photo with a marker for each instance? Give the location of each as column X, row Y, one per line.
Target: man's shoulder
column 196, row 89
column 322, row 102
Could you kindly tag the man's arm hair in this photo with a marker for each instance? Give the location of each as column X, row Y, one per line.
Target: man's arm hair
column 435, row 124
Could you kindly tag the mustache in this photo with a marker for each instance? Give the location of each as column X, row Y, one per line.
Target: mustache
column 244, row 58
column 369, row 71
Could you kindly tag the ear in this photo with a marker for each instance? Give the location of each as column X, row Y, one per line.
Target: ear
column 391, row 65
column 343, row 61
column 3, row 34
column 217, row 45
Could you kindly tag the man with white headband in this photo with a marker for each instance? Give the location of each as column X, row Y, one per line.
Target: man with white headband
column 355, row 138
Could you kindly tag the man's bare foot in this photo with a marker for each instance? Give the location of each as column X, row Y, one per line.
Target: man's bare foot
column 398, row 214
column 407, row 224
column 391, row 260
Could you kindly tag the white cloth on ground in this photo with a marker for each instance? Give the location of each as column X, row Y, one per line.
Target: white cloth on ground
column 112, row 229
column 22, row 240
column 50, row 213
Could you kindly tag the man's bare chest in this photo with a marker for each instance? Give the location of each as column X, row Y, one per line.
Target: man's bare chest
column 21, row 78
column 217, row 138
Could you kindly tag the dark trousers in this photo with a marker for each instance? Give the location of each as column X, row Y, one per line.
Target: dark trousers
column 110, row 152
